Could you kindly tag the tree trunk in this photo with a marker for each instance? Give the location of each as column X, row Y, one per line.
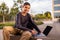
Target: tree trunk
column 14, row 18
column 3, row 19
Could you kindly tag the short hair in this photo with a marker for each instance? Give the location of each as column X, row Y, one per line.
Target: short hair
column 26, row 3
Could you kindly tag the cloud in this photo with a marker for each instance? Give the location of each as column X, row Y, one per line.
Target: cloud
column 1, row 1
column 41, row 5
column 37, row 6
column 9, row 3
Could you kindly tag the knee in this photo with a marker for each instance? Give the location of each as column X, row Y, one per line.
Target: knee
column 28, row 33
column 7, row 28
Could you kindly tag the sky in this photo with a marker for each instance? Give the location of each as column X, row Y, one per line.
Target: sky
column 37, row 6
column 40, row 6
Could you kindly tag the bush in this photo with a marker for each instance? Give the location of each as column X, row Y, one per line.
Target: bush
column 6, row 24
column 1, row 27
column 1, row 24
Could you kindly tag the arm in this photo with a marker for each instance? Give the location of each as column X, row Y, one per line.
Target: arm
column 18, row 23
column 34, row 25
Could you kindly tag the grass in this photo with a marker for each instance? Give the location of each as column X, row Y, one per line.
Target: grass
column 6, row 24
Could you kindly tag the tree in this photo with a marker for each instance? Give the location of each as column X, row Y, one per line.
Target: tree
column 39, row 16
column 47, row 15
column 20, row 1
column 14, row 10
column 3, row 11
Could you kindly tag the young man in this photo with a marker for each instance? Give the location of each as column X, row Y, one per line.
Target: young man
column 24, row 25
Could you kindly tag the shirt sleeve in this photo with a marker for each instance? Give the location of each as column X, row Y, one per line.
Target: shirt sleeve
column 34, row 25
column 18, row 23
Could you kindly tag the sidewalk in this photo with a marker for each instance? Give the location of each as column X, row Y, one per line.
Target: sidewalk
column 1, row 34
column 54, row 33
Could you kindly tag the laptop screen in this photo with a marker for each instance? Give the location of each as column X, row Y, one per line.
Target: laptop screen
column 47, row 30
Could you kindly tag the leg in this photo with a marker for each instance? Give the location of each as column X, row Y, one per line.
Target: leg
column 26, row 35
column 7, row 31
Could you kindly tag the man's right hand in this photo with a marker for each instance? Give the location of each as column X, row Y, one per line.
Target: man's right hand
column 33, row 32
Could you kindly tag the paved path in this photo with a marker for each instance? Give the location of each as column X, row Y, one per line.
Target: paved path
column 1, row 34
column 54, row 33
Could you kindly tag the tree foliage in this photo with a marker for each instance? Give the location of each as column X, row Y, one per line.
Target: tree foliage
column 3, row 11
column 47, row 14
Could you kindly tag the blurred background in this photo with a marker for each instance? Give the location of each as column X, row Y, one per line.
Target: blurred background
column 41, row 10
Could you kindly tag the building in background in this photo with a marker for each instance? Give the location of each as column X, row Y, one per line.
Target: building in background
column 56, row 9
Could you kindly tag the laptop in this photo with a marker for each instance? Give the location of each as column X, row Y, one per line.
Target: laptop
column 43, row 35
column 47, row 30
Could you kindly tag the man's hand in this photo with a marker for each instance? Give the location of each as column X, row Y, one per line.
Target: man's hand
column 33, row 32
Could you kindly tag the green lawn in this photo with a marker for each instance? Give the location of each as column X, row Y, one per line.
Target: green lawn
column 6, row 24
